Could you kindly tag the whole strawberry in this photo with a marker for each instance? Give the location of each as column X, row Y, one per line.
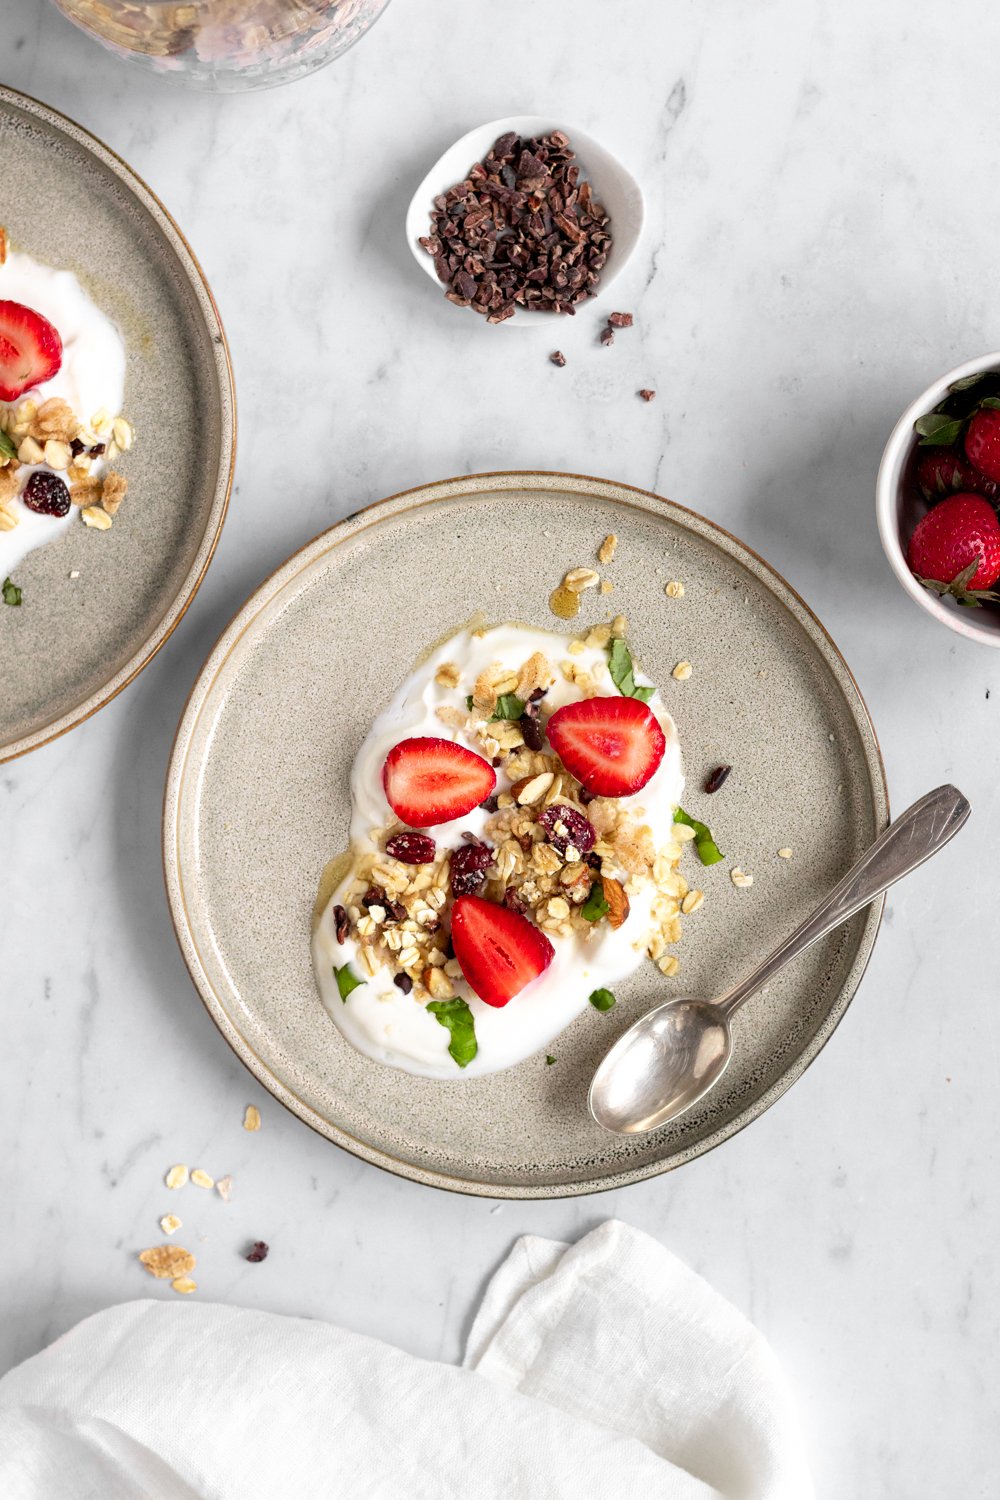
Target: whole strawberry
column 955, row 549
column 943, row 471
column 982, row 439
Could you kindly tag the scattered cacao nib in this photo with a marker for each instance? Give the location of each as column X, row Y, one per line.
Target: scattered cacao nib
column 593, row 860
column 620, row 320
column 403, row 982
column 521, row 231
column 98, row 450
column 586, row 796
column 468, row 869
column 647, row 395
column 374, row 896
column 491, row 805
column 257, row 1252
column 341, row 924
column 396, row 910
column 558, row 358
column 76, row 447
column 565, row 826
column 717, row 777
column 514, row 901
column 534, row 734
column 607, row 335
column 411, row 848
column 470, row 838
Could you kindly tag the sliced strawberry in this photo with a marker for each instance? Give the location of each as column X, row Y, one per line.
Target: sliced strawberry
column 30, row 350
column 429, row 780
column 499, row 951
column 611, row 745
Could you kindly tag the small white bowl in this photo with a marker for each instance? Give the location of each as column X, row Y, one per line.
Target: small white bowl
column 898, row 510
column 613, row 186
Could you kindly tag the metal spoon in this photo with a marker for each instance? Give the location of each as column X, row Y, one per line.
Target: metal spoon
column 671, row 1057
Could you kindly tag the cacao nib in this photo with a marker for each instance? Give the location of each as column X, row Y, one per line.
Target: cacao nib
column 403, row 982
column 258, row 1251
column 374, row 896
column 411, row 848
column 620, row 320
column 565, row 826
column 468, row 869
column 557, row 357
column 341, row 924
column 607, row 335
column 534, row 734
column 514, row 901
column 647, row 395
column 717, row 777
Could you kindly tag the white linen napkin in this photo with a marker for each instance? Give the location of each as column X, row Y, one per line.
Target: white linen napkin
column 607, row 1369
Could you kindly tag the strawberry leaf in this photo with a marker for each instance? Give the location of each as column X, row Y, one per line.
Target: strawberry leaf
column 992, row 402
column 969, row 381
column 937, row 430
column 959, row 588
column 457, row 1017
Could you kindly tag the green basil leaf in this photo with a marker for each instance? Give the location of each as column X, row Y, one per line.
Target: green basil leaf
column 457, row 1017
column 468, row 702
column 509, row 706
column 549, row 1059
column 708, row 850
column 346, row 980
column 602, row 999
column 7, row 447
column 622, row 672
column 595, row 907
column 11, row 592
column 938, row 430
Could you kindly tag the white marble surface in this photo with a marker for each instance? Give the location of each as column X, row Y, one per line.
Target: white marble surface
column 820, row 244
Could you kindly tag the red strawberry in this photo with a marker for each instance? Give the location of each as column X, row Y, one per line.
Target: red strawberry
column 955, row 549
column 943, row 471
column 611, row 745
column 30, row 350
column 982, row 441
column 499, row 951
column 429, row 780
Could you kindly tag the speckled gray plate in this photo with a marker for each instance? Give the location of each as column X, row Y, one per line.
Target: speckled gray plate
column 257, row 801
column 75, row 643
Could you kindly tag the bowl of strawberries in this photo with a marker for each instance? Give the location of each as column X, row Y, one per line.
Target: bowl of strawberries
column 937, row 497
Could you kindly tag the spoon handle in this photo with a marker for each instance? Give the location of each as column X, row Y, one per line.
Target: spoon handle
column 917, row 834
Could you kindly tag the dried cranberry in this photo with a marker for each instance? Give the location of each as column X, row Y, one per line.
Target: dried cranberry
column 468, row 868
column 341, row 923
column 411, row 848
column 403, row 982
column 373, row 896
column 565, row 826
column 718, row 776
column 258, row 1251
column 46, row 494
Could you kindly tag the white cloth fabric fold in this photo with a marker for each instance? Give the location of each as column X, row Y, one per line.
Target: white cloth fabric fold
column 606, row 1369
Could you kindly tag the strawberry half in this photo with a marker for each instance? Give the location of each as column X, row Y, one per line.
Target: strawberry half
column 955, row 549
column 30, row 350
column 429, row 780
column 499, row 951
column 611, row 745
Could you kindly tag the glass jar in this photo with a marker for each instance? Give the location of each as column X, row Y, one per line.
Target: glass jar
column 227, row 44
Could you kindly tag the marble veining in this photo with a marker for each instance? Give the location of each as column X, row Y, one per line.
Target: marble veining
column 816, row 251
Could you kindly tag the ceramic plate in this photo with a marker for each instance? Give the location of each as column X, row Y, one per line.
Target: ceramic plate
column 75, row 643
column 257, row 801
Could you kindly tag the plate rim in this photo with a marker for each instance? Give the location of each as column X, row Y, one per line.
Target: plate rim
column 263, row 594
column 195, row 275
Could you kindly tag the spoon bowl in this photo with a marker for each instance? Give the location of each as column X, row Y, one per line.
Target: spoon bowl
column 662, row 1065
column 671, row 1057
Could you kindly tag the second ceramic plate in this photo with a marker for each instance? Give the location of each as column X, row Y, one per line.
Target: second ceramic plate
column 257, row 801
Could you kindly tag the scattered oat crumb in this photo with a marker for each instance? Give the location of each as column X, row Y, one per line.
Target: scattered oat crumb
column 98, row 519
column 167, row 1261
column 682, row 671
column 692, row 901
column 619, row 627
column 669, row 965
column 177, row 1177
column 75, row 573
column 184, row 1285
column 447, row 675
column 785, row 853
column 251, row 1118
column 224, row 1188
column 647, row 395
column 606, row 551
column 831, row 738
column 575, row 648
column 739, row 879
column 674, row 589
column 578, row 579
column 606, row 586
column 201, row 1179
column 170, row 1223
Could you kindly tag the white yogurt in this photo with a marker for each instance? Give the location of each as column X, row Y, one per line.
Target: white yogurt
column 92, row 376
column 394, row 1028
